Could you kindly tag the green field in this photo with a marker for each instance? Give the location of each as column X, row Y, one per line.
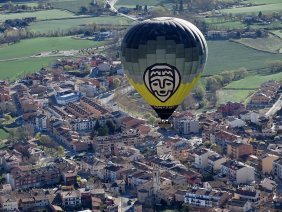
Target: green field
column 40, row 15
column 226, row 55
column 270, row 43
column 224, row 96
column 135, row 2
column 67, row 24
column 71, row 5
column 277, row 33
column 254, row 81
column 226, row 25
column 31, row 47
column 265, row 9
column 263, row 1
column 3, row 134
column 15, row 69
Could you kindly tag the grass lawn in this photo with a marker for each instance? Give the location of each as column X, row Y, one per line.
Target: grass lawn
column 254, row 81
column 67, row 24
column 14, row 69
column 233, row 96
column 263, row 1
column 40, row 15
column 278, row 33
column 3, row 134
column 33, row 46
column 227, row 25
column 270, row 43
column 226, row 55
column 265, row 9
column 71, row 5
column 135, row 2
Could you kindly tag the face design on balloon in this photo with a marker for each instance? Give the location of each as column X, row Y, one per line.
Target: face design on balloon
column 162, row 80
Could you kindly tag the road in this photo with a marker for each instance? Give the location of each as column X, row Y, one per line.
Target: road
column 275, row 108
column 112, row 3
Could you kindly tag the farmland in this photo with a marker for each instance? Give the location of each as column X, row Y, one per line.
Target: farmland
column 226, row 55
column 270, row 43
column 265, row 9
column 71, row 5
column 33, row 46
column 26, row 48
column 135, row 2
column 40, row 15
column 67, row 24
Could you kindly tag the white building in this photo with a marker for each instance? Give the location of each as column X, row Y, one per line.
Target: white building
column 163, row 149
column 201, row 157
column 238, row 172
column 41, row 122
column 215, row 162
column 235, row 122
column 8, row 203
column 71, row 198
column 82, row 124
column 206, row 197
column 277, row 168
column 185, row 124
column 88, row 90
column 250, row 194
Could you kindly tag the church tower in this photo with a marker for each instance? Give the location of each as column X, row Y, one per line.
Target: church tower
column 156, row 181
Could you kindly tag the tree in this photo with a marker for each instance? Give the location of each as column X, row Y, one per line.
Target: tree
column 61, row 151
column 83, row 10
column 116, row 82
column 159, row 11
column 260, row 14
column 212, row 84
column 147, row 115
column 111, row 127
column 103, row 131
column 185, row 208
column 227, row 76
column 145, row 8
column 97, row 125
column 181, row 8
column 199, row 92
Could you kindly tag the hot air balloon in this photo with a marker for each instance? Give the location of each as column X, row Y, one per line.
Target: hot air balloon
column 163, row 59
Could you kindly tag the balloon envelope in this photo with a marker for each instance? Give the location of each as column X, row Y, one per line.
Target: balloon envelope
column 163, row 59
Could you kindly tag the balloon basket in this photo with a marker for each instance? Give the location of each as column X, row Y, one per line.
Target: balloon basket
column 165, row 124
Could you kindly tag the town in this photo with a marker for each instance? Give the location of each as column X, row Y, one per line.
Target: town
column 76, row 136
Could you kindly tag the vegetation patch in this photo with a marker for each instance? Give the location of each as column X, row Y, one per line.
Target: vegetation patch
column 71, row 5
column 226, row 55
column 34, row 46
column 40, row 15
column 265, row 9
column 63, row 26
column 270, row 44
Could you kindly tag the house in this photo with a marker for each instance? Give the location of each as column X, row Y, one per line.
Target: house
column 4, row 91
column 163, row 148
column 41, row 122
column 93, row 166
column 277, row 168
column 239, row 205
column 235, row 122
column 268, row 184
column 8, row 203
column 201, row 157
column 223, row 137
column 231, row 109
column 236, row 150
column 93, row 107
column 266, row 163
column 238, row 172
column 180, row 195
column 185, row 123
column 250, row 194
column 216, row 185
column 128, row 123
column 112, row 172
column 69, row 177
column 206, row 197
column 215, row 162
column 70, row 198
